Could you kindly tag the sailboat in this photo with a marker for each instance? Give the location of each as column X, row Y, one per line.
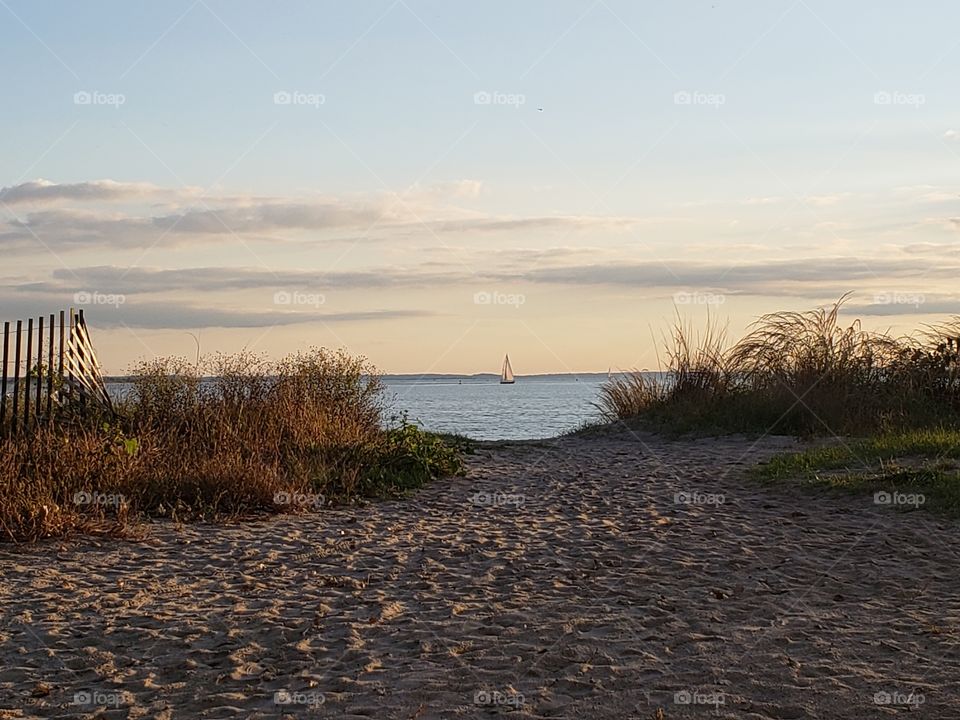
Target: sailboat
column 506, row 376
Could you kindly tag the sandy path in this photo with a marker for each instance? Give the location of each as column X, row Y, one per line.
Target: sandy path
column 594, row 595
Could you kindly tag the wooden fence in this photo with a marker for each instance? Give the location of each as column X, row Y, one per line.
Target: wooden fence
column 48, row 365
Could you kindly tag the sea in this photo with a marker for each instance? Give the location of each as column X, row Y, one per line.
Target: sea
column 479, row 407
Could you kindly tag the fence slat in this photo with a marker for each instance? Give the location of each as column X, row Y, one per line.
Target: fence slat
column 6, row 359
column 15, row 420
column 50, row 371
column 40, row 369
column 28, row 376
column 60, row 363
column 69, row 378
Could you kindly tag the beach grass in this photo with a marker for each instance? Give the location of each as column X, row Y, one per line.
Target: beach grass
column 236, row 436
column 917, row 469
column 800, row 373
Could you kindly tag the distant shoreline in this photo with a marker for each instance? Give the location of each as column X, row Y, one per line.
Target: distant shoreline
column 439, row 376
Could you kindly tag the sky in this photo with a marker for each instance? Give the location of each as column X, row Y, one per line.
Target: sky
column 432, row 184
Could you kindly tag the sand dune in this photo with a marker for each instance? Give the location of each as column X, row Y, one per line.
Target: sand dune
column 602, row 577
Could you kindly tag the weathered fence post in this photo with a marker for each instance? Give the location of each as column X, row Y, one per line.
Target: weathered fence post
column 28, row 376
column 69, row 377
column 62, row 333
column 14, row 422
column 6, row 359
column 38, row 410
column 50, row 370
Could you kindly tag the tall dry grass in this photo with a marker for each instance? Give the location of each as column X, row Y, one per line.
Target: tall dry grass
column 797, row 372
column 238, row 435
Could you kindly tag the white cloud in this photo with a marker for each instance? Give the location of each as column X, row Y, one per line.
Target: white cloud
column 826, row 200
column 43, row 192
column 92, row 219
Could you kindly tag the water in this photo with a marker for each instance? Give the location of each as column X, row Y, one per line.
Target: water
column 483, row 409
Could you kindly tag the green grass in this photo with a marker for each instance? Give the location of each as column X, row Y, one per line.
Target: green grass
column 911, row 470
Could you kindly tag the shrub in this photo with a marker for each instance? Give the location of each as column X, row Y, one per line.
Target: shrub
column 248, row 435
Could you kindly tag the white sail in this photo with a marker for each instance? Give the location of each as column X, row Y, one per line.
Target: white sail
column 506, row 376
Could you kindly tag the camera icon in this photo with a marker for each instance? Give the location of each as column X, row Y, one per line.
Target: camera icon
column 282, row 697
column 282, row 297
column 82, row 297
column 282, row 98
column 882, row 498
column 682, row 498
column 482, row 98
column 82, row 698
column 82, row 98
column 882, row 98
column 882, row 698
column 682, row 97
column 482, row 298
column 82, row 498
column 682, row 697
column 482, row 697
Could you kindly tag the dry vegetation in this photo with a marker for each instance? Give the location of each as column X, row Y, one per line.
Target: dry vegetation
column 801, row 373
column 240, row 435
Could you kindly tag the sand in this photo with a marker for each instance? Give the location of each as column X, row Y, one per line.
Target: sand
column 560, row 579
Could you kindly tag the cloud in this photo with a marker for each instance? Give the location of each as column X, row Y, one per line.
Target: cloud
column 952, row 135
column 766, row 278
column 139, row 280
column 826, row 200
column 454, row 189
column 184, row 317
column 163, row 314
column 772, row 277
column 92, row 220
column 906, row 304
column 560, row 222
column 43, row 191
